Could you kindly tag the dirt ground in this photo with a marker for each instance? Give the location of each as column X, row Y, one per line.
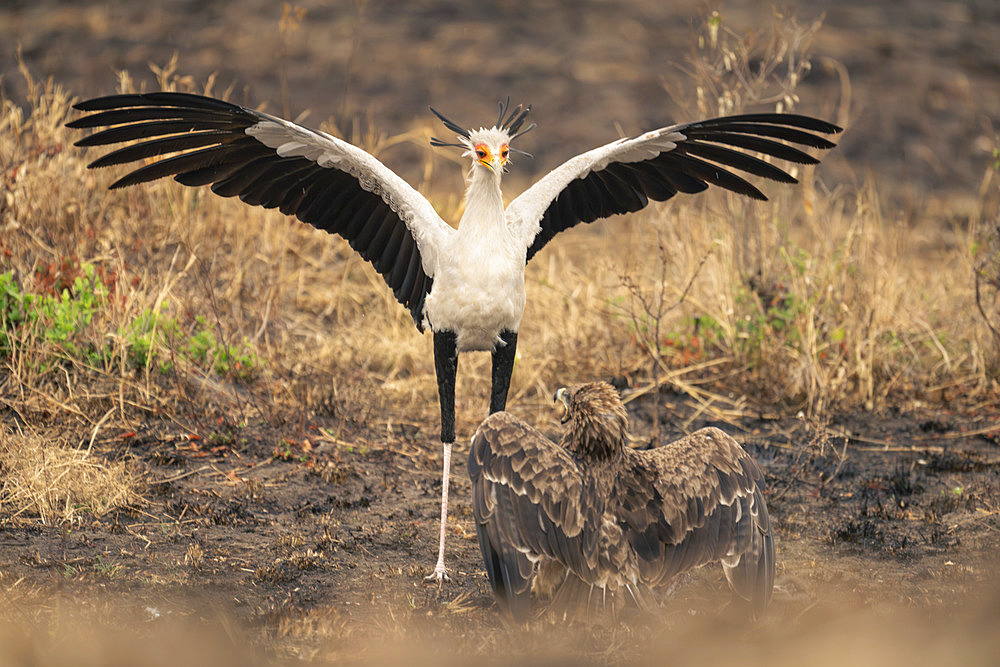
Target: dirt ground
column 333, row 523
column 273, row 526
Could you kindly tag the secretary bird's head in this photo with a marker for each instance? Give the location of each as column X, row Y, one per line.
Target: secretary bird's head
column 489, row 148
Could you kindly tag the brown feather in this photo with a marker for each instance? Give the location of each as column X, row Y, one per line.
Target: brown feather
column 590, row 519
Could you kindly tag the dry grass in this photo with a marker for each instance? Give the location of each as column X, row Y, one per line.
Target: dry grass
column 820, row 300
column 817, row 300
column 56, row 483
column 68, row 632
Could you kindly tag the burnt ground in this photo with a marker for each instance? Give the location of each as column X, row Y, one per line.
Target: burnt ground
column 284, row 526
column 274, row 525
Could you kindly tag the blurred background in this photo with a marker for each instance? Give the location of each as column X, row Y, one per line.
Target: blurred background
column 845, row 329
column 916, row 81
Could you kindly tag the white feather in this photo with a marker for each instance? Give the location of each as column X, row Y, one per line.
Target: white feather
column 526, row 211
column 478, row 286
column 288, row 139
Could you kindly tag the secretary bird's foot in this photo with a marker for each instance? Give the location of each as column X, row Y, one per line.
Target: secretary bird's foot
column 440, row 574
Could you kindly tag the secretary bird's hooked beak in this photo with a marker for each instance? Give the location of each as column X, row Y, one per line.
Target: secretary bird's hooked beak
column 562, row 394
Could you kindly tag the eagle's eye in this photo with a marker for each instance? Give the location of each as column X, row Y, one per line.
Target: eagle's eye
column 481, row 151
column 504, row 152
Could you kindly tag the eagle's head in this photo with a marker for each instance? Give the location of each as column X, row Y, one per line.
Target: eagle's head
column 596, row 418
column 489, row 148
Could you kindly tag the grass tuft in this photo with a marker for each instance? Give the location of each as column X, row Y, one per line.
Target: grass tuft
column 57, row 484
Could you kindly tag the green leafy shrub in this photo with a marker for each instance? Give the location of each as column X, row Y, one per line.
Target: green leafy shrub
column 66, row 320
column 236, row 360
column 62, row 319
column 143, row 335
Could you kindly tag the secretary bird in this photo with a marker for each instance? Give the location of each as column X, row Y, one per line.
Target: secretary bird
column 467, row 284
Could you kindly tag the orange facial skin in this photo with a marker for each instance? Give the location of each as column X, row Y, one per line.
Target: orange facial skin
column 485, row 156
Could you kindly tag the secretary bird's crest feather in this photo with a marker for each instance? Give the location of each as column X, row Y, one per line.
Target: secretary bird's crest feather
column 509, row 122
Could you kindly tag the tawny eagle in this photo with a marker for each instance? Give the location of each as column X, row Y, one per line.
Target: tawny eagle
column 590, row 522
column 465, row 284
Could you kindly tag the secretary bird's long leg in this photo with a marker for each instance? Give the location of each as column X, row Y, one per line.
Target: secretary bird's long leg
column 503, row 367
column 445, row 367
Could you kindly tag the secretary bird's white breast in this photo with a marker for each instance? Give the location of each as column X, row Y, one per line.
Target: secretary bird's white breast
column 478, row 287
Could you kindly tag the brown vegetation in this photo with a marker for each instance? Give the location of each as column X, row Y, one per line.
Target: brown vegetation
column 208, row 324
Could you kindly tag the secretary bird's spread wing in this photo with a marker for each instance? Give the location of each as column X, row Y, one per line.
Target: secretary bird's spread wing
column 270, row 162
column 624, row 175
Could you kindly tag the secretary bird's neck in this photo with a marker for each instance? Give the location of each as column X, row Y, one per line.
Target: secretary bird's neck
column 483, row 202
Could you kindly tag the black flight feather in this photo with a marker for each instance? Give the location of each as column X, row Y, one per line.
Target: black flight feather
column 203, row 141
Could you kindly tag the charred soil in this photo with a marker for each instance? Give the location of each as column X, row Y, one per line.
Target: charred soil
column 273, row 525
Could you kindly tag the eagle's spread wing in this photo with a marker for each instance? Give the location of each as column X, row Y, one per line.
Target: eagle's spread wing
column 270, row 162
column 529, row 498
column 694, row 501
column 624, row 175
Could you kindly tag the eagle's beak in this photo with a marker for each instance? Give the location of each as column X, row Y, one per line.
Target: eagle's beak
column 563, row 395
